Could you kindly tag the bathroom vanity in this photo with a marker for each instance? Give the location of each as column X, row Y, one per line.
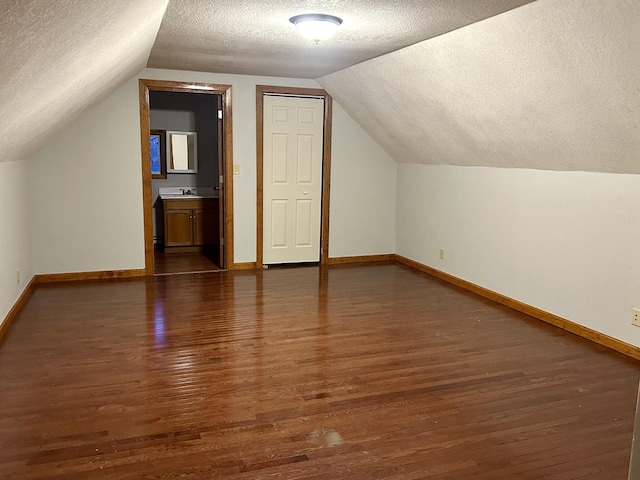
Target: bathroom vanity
column 190, row 223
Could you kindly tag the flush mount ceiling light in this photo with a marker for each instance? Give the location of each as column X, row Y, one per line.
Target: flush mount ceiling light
column 316, row 26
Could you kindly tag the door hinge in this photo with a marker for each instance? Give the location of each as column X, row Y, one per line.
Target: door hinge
column 222, row 241
column 221, row 179
column 220, row 114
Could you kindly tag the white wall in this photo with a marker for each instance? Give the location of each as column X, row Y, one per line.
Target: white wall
column 565, row 242
column 15, row 252
column 87, row 185
column 363, row 192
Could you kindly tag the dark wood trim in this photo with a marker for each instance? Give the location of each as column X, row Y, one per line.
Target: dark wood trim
column 383, row 258
column 261, row 90
column 16, row 309
column 563, row 323
column 326, row 179
column 259, row 174
column 226, row 189
column 177, row 86
column 147, row 208
column 302, row 91
column 245, row 266
column 97, row 275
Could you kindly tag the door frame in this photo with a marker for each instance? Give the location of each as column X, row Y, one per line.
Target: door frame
column 226, row 188
column 261, row 91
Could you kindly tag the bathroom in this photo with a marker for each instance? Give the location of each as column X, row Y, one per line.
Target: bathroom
column 194, row 118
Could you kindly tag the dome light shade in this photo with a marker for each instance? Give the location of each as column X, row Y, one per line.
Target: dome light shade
column 316, row 26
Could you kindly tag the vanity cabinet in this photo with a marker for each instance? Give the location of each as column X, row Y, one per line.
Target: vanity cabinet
column 190, row 224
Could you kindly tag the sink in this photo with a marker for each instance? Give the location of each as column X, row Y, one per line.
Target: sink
column 181, row 195
column 193, row 192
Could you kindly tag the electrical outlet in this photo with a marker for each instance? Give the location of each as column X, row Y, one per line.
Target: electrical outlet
column 17, row 277
column 442, row 254
column 635, row 317
column 236, row 169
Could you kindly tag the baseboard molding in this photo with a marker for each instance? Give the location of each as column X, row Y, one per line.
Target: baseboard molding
column 389, row 257
column 99, row 275
column 563, row 323
column 244, row 266
column 16, row 309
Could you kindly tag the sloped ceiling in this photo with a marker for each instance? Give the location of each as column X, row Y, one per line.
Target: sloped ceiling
column 60, row 57
column 551, row 85
column 256, row 38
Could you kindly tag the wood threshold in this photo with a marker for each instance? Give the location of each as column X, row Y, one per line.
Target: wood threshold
column 16, row 309
column 97, row 275
column 555, row 320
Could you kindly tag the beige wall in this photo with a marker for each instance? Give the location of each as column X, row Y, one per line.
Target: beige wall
column 565, row 242
column 86, row 191
column 15, row 247
column 86, row 185
column 363, row 192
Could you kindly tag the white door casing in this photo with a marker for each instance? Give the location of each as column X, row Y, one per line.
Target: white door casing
column 292, row 178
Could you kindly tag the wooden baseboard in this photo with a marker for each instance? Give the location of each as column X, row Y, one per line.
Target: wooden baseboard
column 389, row 257
column 15, row 310
column 100, row 275
column 244, row 266
column 563, row 323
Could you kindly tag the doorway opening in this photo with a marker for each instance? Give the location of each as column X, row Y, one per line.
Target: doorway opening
column 188, row 198
column 295, row 170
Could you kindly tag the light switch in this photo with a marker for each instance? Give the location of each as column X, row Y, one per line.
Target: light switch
column 236, row 169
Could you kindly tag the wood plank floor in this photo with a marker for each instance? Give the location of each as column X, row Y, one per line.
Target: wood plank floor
column 348, row 372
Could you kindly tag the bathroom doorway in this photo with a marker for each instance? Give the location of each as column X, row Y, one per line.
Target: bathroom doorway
column 187, row 208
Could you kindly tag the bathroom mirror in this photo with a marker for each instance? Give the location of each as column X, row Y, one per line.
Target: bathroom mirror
column 182, row 152
column 157, row 150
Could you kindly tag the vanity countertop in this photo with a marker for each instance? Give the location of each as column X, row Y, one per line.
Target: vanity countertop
column 173, row 196
column 167, row 193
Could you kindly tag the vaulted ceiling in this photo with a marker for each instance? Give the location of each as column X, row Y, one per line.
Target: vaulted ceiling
column 256, row 38
column 550, row 84
column 553, row 85
column 60, row 57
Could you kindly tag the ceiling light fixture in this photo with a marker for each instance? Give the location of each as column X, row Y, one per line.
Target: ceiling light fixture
column 316, row 26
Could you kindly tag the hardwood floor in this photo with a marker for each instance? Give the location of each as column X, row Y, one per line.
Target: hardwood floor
column 184, row 262
column 347, row 372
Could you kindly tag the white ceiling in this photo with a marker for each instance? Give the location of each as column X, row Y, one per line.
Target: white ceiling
column 256, row 38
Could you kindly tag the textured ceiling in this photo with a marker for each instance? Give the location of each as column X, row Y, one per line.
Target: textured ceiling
column 256, row 38
column 551, row 85
column 58, row 57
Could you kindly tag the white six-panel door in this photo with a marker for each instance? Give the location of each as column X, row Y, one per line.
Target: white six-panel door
column 292, row 179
